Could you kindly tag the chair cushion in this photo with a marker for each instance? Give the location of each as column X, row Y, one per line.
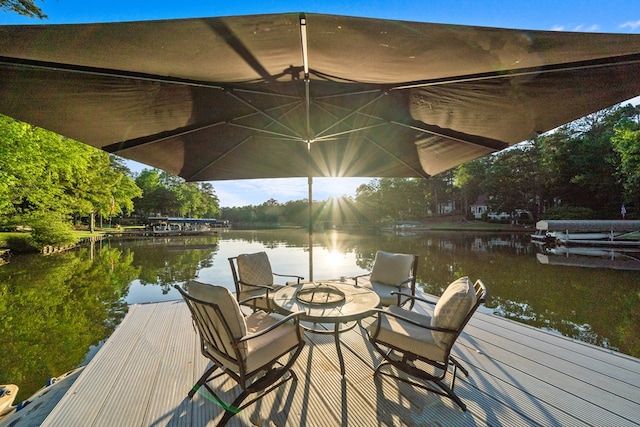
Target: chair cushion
column 408, row 337
column 222, row 297
column 255, row 269
column 390, row 269
column 272, row 345
column 451, row 309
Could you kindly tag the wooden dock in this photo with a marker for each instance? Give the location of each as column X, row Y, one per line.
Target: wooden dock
column 519, row 376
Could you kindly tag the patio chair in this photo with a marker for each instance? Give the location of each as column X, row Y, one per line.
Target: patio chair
column 391, row 274
column 404, row 337
column 254, row 280
column 245, row 349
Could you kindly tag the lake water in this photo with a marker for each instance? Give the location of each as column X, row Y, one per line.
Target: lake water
column 58, row 309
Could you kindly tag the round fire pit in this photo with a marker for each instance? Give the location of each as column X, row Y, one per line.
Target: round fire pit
column 320, row 294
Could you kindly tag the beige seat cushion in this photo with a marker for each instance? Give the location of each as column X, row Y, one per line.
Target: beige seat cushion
column 271, row 345
column 391, row 269
column 255, row 269
column 406, row 336
column 451, row 309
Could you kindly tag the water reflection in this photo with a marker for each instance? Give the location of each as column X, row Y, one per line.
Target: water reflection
column 58, row 306
column 589, row 257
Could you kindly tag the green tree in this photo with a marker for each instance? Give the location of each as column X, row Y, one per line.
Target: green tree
column 166, row 194
column 22, row 7
column 43, row 174
column 512, row 180
column 469, row 178
column 626, row 142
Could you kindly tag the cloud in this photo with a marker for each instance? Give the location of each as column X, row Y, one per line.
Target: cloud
column 631, row 24
column 578, row 28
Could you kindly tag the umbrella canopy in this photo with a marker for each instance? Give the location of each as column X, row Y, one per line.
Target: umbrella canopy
column 297, row 95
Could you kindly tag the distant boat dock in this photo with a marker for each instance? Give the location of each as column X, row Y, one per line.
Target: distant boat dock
column 602, row 233
column 174, row 226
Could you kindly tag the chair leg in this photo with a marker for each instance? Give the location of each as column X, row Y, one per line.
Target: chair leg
column 459, row 366
column 449, row 392
column 261, row 388
column 203, row 379
column 443, row 389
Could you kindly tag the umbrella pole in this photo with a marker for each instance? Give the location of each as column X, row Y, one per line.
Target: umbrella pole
column 307, row 82
column 310, row 216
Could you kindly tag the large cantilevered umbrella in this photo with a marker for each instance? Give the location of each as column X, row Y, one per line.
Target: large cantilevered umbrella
column 303, row 95
column 299, row 95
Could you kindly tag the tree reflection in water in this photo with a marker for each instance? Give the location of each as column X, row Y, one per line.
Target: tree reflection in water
column 56, row 307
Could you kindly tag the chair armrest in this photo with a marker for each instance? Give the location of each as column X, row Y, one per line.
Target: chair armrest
column 289, row 275
column 266, row 287
column 244, row 301
column 359, row 276
column 295, row 316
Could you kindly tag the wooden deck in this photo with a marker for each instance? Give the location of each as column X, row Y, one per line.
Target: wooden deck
column 519, row 376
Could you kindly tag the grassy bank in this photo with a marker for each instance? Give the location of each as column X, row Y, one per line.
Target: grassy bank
column 6, row 237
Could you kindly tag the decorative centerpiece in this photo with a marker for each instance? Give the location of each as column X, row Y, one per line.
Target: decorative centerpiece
column 320, row 294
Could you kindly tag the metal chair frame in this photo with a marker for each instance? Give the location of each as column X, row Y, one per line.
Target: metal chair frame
column 405, row 363
column 273, row 373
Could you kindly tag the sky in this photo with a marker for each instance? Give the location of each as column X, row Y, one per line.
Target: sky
column 610, row 16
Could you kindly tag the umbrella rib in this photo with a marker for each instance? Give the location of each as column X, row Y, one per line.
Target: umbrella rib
column 138, row 142
column 484, row 142
column 193, row 176
column 263, row 113
column 354, row 112
column 346, row 132
column 421, row 173
column 501, row 74
column 262, row 92
column 268, row 132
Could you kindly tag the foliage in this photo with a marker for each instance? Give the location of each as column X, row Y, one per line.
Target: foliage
column 389, row 199
column 45, row 175
column 22, row 7
column 626, row 142
column 512, row 179
column 165, row 194
column 50, row 231
column 569, row 212
column 20, row 243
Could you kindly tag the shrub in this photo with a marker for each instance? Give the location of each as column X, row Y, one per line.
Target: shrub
column 21, row 244
column 50, row 231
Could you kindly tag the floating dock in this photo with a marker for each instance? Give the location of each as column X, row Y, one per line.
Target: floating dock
column 603, row 233
column 519, row 376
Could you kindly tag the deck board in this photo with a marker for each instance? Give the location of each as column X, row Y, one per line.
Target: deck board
column 519, row 376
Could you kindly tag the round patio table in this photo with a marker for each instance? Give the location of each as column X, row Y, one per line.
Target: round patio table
column 328, row 301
